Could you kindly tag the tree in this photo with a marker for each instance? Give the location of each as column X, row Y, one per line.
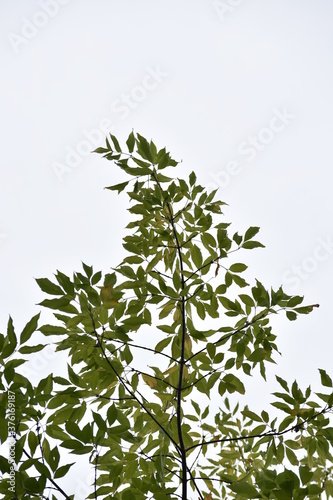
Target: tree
column 172, row 429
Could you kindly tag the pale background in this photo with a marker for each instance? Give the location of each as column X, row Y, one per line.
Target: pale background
column 223, row 70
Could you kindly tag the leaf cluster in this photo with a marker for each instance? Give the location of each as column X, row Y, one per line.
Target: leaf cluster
column 180, row 302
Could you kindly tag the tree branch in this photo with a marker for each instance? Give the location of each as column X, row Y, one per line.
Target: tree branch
column 182, row 352
column 271, row 433
column 49, row 479
column 124, row 384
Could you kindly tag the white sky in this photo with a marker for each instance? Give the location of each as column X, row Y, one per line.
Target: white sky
column 239, row 90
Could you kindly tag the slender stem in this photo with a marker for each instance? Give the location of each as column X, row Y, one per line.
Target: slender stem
column 182, row 352
column 95, row 479
column 179, row 400
column 154, row 377
column 271, row 433
column 202, row 267
column 228, row 335
column 130, row 344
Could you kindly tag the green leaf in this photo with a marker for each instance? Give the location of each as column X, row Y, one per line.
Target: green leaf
column 88, row 270
column 48, row 287
column 132, row 247
column 144, row 148
column 196, row 407
column 325, row 379
column 237, row 238
column 208, row 240
column 73, row 377
column 57, row 304
column 160, row 346
column 96, row 278
column 166, row 310
column 251, row 415
column 196, row 256
column 42, row 469
column 112, row 414
column 100, row 150
column 33, row 442
column 99, row 420
column 291, row 456
column 65, row 283
column 11, row 340
column 115, row 143
column 238, row 280
column 252, row 231
column 31, row 349
column 192, row 178
column 291, row 315
column 237, row 268
column 247, row 300
column 53, row 459
column 130, row 142
column 234, row 384
column 258, row 355
column 29, row 329
column 295, row 301
column 139, row 171
column 286, row 423
column 244, row 489
column 128, row 494
column 228, row 304
column 252, row 244
column 282, row 382
column 73, row 429
column 118, row 187
column 211, row 350
column 212, row 381
column 306, row 474
column 305, row 309
column 62, row 471
column 52, row 330
column 133, row 259
column 288, row 481
column 114, row 156
column 72, row 444
column 166, row 328
column 282, row 406
column 61, row 381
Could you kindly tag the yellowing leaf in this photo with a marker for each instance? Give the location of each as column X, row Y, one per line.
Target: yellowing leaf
column 149, row 380
column 170, row 370
column 188, row 345
column 106, row 293
column 176, row 314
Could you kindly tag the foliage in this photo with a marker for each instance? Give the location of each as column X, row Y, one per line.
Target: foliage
column 172, row 428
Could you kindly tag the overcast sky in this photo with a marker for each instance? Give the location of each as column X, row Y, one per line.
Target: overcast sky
column 241, row 91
